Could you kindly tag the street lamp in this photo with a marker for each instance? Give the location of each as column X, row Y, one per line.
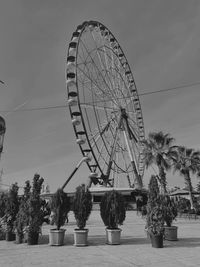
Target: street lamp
column 2, row 133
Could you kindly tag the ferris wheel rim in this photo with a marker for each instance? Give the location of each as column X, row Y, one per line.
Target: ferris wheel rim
column 73, row 96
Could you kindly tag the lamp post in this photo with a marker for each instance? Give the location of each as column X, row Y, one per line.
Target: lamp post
column 2, row 133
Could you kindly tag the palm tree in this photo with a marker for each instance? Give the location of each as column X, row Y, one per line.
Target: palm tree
column 186, row 161
column 157, row 149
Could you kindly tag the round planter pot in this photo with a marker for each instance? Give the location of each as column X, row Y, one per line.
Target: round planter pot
column 2, row 235
column 18, row 238
column 113, row 236
column 147, row 233
column 156, row 241
column 25, row 237
column 56, row 237
column 10, row 236
column 80, row 237
column 171, row 233
column 33, row 238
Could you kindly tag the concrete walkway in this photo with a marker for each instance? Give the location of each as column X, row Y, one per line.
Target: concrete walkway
column 135, row 248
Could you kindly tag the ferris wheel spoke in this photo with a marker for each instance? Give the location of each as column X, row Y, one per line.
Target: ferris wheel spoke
column 103, row 66
column 119, row 80
column 94, row 106
column 95, row 137
column 109, row 71
column 133, row 128
column 99, row 88
column 103, row 92
column 99, row 72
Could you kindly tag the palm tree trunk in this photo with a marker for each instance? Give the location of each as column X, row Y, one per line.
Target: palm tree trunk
column 189, row 184
column 162, row 179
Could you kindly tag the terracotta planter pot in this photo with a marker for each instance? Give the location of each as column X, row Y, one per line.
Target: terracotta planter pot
column 33, row 238
column 19, row 238
column 56, row 237
column 25, row 238
column 80, row 237
column 113, row 236
column 2, row 235
column 171, row 233
column 10, row 236
column 157, row 241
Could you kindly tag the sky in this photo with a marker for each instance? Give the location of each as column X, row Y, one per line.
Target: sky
column 161, row 41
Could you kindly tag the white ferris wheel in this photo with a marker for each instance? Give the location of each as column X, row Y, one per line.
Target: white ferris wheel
column 104, row 106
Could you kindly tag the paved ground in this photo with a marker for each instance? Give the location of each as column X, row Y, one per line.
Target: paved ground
column 135, row 248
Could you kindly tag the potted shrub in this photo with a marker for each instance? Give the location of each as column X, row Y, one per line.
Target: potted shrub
column 82, row 206
column 156, row 226
column 3, row 197
column 22, row 218
column 113, row 213
column 153, row 197
column 155, row 214
column 170, row 213
column 19, row 227
column 35, row 214
column 60, row 207
column 2, row 229
column 11, row 210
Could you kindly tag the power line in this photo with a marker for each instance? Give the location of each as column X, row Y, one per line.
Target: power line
column 9, row 185
column 140, row 94
column 170, row 89
column 33, row 109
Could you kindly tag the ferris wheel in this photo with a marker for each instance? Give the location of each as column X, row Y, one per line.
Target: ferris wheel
column 104, row 106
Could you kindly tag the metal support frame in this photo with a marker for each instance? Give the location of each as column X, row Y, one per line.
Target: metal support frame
column 84, row 159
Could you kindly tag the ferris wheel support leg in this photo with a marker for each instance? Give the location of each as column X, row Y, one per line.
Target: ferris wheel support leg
column 84, row 159
column 106, row 177
column 137, row 176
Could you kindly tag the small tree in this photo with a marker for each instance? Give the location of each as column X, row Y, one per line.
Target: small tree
column 60, row 206
column 153, row 197
column 170, row 210
column 22, row 218
column 35, row 214
column 112, row 209
column 3, row 197
column 12, row 207
column 155, row 212
column 156, row 220
column 154, row 194
column 82, row 205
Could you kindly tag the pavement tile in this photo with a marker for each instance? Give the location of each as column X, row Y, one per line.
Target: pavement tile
column 135, row 249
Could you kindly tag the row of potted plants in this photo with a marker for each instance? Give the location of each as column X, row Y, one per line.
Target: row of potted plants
column 112, row 210
column 22, row 216
column 25, row 216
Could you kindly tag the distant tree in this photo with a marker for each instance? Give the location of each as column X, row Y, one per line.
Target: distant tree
column 186, row 161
